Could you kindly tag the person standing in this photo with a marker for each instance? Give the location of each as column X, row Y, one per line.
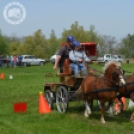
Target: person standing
column 11, row 61
column 2, row 61
column 7, row 61
column 14, row 61
column 20, row 60
column 63, row 53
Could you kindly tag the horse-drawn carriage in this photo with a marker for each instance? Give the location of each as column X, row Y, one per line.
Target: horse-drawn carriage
column 63, row 91
column 103, row 88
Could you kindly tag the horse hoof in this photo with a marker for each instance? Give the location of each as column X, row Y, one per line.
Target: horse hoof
column 86, row 115
column 103, row 122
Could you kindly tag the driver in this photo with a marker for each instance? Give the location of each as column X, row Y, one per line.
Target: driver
column 63, row 53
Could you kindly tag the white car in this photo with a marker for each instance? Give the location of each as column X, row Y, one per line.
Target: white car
column 109, row 57
column 53, row 57
column 32, row 60
column 119, row 58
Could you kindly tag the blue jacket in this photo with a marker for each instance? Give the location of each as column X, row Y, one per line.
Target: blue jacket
column 19, row 58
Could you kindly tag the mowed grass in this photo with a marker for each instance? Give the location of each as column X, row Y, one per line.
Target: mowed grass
column 25, row 87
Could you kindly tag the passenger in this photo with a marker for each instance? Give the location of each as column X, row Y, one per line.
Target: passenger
column 63, row 53
column 78, row 58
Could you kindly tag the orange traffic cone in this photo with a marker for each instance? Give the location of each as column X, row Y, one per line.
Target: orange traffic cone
column 116, row 107
column 2, row 76
column 43, row 105
column 124, row 102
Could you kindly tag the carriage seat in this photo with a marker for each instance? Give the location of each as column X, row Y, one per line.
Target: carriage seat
column 66, row 69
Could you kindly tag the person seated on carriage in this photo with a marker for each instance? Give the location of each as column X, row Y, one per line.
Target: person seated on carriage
column 63, row 53
column 78, row 59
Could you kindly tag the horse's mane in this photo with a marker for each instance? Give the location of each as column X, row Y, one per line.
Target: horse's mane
column 111, row 63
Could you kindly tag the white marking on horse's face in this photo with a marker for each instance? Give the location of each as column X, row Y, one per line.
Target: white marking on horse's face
column 122, row 81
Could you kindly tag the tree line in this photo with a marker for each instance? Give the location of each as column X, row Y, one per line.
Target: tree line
column 37, row 43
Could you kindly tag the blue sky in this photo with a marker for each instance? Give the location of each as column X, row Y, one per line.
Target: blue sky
column 110, row 17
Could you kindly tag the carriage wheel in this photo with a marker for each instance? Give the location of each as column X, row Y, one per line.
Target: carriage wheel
column 62, row 99
column 49, row 97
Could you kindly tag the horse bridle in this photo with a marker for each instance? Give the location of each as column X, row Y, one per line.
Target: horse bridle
column 114, row 76
column 111, row 88
column 128, row 92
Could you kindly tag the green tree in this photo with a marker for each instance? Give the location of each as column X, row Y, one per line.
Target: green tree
column 126, row 46
column 80, row 34
column 53, row 44
column 4, row 47
column 14, row 47
column 34, row 44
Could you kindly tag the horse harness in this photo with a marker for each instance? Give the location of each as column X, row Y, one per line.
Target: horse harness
column 103, row 89
column 127, row 92
column 103, row 83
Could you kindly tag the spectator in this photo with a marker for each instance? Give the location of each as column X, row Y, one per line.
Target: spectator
column 2, row 61
column 7, row 60
column 11, row 61
column 20, row 60
column 14, row 60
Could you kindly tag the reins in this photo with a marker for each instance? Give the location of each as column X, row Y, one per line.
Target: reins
column 96, row 70
column 111, row 88
column 103, row 74
column 128, row 92
column 103, row 89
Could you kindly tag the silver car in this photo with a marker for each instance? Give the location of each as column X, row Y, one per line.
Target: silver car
column 108, row 57
column 32, row 60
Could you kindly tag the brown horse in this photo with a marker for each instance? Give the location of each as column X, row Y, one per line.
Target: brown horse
column 127, row 91
column 103, row 88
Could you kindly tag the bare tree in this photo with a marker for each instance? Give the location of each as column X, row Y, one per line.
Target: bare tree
column 107, row 44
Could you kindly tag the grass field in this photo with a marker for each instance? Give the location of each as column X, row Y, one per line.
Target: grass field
column 25, row 87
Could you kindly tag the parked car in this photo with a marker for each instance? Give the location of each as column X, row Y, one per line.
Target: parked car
column 119, row 58
column 32, row 60
column 109, row 57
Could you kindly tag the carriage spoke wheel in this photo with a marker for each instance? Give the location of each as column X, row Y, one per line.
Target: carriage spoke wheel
column 49, row 97
column 62, row 99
